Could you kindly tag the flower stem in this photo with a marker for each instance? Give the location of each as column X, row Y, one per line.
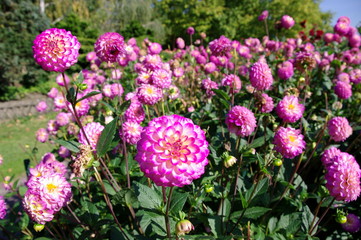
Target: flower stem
column 166, row 216
column 319, row 220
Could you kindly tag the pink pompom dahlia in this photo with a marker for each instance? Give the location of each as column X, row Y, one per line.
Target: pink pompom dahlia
column 289, row 109
column 339, row 129
column 343, row 178
column 92, row 131
column 289, row 142
column 2, row 208
column 149, row 94
column 343, row 90
column 353, row 223
column 172, row 151
column 56, row 50
column 287, row 22
column 329, row 154
column 108, row 46
column 130, row 132
column 261, row 76
column 241, row 121
column 233, row 82
column 265, row 103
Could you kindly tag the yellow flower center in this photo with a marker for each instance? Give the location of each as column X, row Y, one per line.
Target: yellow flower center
column 150, row 91
column 292, row 138
column 291, row 106
column 51, row 187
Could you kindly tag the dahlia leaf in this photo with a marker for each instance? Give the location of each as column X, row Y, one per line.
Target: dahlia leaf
column 250, row 213
column 215, row 223
column 80, row 78
column 257, row 189
column 71, row 145
column 106, row 137
column 177, row 202
column 71, row 96
column 148, row 197
column 125, row 105
column 93, row 93
column 221, row 94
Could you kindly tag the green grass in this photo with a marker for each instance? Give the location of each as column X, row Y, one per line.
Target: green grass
column 17, row 141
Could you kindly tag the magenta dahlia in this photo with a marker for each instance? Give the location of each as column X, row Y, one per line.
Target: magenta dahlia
column 261, row 76
column 108, row 46
column 92, row 131
column 343, row 178
column 328, row 155
column 56, row 49
column 343, row 90
column 289, row 142
column 221, row 46
column 131, row 132
column 265, row 103
column 289, row 109
column 339, row 129
column 241, row 121
column 172, row 151
column 287, row 22
column 353, row 223
column 149, row 94
column 233, row 82
column 285, row 70
column 2, row 208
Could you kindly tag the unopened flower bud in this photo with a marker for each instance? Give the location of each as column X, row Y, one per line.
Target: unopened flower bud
column 208, row 188
column 229, row 161
column 183, row 227
column 277, row 162
column 83, row 86
column 341, row 218
column 302, row 80
column 38, row 227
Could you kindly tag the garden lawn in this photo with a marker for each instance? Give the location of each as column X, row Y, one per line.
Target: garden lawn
column 17, row 142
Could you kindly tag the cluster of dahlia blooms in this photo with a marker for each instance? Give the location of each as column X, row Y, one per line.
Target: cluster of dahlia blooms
column 241, row 121
column 289, row 142
column 172, row 151
column 48, row 190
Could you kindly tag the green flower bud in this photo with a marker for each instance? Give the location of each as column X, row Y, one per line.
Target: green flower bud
column 83, row 86
column 277, row 162
column 208, row 188
column 183, row 227
column 38, row 227
column 229, row 161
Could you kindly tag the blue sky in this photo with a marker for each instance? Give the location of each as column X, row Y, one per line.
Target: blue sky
column 349, row 8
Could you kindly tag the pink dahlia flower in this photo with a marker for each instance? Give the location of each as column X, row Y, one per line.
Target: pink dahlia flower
column 135, row 112
column 53, row 93
column 343, row 90
column 154, row 48
column 56, row 50
column 221, row 46
column 131, row 132
column 149, row 94
column 2, row 208
column 263, row 15
column 42, row 135
column 285, row 70
column 172, row 151
column 233, row 82
column 289, row 142
column 41, row 106
column 208, row 85
column 62, row 119
column 92, row 131
column 289, row 109
column 37, row 208
column 265, row 103
column 180, row 43
column 339, row 129
column 343, row 178
column 287, row 22
column 355, row 75
column 161, row 78
column 190, row 30
column 108, row 46
column 210, row 67
column 241, row 121
column 328, row 155
column 353, row 223
column 261, row 76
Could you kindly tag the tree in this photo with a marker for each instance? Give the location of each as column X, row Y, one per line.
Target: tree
column 20, row 22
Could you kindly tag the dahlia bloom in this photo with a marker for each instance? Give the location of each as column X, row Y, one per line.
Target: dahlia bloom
column 343, row 90
column 131, row 132
column 2, row 208
column 108, row 46
column 208, row 85
column 339, row 129
column 289, row 142
column 355, row 75
column 37, row 208
column 42, row 135
column 241, row 121
column 172, row 151
column 190, row 30
column 265, row 103
column 41, row 106
column 289, row 109
column 53, row 93
column 261, row 76
column 154, row 48
column 287, row 22
column 135, row 112
column 285, row 70
column 64, row 152
column 220, row 46
column 263, row 16
column 93, row 131
column 343, row 77
column 161, row 78
column 180, row 43
column 343, row 178
column 149, row 94
column 173, row 92
column 56, row 49
column 210, row 67
column 328, row 155
column 233, row 82
column 62, row 119
column 353, row 223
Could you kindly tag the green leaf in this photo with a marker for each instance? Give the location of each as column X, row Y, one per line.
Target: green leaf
column 255, row 212
column 215, row 223
column 80, row 78
column 257, row 189
column 93, row 93
column 108, row 106
column 71, row 145
column 221, row 94
column 257, row 142
column 106, row 137
column 71, row 95
column 225, row 208
column 148, row 197
column 110, row 190
column 24, row 222
column 126, row 197
column 125, row 105
column 177, row 202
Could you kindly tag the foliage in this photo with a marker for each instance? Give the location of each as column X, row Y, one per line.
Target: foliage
column 20, row 23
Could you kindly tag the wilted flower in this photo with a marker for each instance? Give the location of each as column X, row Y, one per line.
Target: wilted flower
column 172, row 151
column 83, row 160
column 289, row 142
column 56, row 49
column 241, row 121
column 265, row 103
column 343, row 177
column 339, row 129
